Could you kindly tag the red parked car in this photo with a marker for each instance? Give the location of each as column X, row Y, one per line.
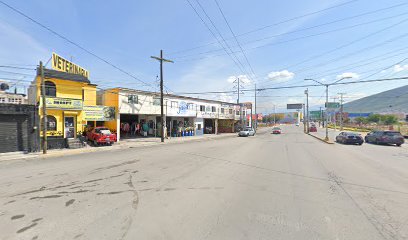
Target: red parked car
column 276, row 130
column 101, row 136
column 312, row 129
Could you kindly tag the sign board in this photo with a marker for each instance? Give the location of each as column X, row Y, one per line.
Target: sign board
column 294, row 106
column 332, row 105
column 63, row 103
column 99, row 113
column 315, row 114
column 61, row 64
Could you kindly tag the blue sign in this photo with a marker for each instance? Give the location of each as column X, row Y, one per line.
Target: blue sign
column 354, row 115
column 183, row 107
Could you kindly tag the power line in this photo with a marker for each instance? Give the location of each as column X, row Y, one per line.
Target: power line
column 293, row 39
column 298, row 86
column 235, row 37
column 219, row 33
column 280, row 22
column 73, row 43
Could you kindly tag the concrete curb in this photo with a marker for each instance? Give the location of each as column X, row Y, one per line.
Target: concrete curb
column 115, row 147
column 319, row 138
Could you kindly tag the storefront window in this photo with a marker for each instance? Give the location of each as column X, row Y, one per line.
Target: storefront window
column 174, row 104
column 202, row 108
column 213, row 109
column 51, row 123
column 156, row 101
column 133, row 99
column 230, row 111
column 50, row 89
column 222, row 110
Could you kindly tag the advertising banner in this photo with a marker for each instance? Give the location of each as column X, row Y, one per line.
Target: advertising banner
column 62, row 103
column 99, row 113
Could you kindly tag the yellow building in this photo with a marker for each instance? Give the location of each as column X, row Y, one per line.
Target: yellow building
column 70, row 103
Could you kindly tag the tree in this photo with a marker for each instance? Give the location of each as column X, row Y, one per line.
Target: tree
column 374, row 118
column 361, row 120
column 389, row 119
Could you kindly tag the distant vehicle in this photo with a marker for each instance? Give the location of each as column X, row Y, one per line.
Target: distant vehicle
column 247, row 132
column 312, row 128
column 276, row 130
column 385, row 137
column 349, row 138
column 101, row 136
column 297, row 124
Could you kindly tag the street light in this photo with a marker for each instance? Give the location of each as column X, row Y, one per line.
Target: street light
column 327, row 100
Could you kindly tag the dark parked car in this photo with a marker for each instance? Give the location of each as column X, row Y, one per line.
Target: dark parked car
column 385, row 137
column 349, row 137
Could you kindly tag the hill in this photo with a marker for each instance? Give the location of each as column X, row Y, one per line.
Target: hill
column 391, row 101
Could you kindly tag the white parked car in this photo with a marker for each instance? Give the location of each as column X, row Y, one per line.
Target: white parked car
column 247, row 132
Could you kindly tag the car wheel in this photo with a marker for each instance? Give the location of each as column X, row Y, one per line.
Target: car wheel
column 95, row 143
column 360, row 143
column 398, row 144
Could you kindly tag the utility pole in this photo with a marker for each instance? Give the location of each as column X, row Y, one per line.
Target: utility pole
column 341, row 110
column 327, row 115
column 238, row 91
column 161, row 59
column 256, row 116
column 334, row 116
column 44, row 110
column 304, row 118
column 274, row 114
column 307, row 110
column 321, row 117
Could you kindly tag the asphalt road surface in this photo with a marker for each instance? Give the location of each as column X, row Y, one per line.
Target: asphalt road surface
column 289, row 186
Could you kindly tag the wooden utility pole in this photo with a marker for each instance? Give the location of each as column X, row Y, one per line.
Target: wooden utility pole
column 44, row 110
column 161, row 60
column 256, row 116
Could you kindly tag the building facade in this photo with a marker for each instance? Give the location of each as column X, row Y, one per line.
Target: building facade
column 70, row 105
column 138, row 114
column 13, row 98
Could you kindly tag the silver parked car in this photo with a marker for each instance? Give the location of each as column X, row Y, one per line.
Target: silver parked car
column 247, row 132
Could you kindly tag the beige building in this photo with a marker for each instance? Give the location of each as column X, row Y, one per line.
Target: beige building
column 13, row 98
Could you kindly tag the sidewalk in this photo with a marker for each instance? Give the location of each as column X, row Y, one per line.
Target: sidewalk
column 125, row 144
column 321, row 134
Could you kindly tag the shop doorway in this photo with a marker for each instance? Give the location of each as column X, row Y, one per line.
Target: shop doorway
column 209, row 126
column 69, row 130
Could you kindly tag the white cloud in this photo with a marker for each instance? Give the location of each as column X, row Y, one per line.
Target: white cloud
column 281, row 76
column 348, row 75
column 226, row 98
column 242, row 78
column 400, row 68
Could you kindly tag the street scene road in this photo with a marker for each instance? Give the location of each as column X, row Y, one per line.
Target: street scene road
column 288, row 186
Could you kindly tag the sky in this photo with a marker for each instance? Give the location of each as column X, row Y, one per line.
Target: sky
column 277, row 43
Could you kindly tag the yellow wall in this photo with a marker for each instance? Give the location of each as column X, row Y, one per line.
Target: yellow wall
column 111, row 98
column 73, row 90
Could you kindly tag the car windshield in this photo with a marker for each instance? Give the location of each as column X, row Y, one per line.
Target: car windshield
column 248, row 129
column 392, row 134
column 276, row 128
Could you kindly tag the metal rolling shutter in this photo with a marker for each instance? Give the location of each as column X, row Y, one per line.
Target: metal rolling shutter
column 13, row 133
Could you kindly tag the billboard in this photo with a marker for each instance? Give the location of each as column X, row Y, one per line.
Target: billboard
column 295, row 106
column 332, row 105
column 99, row 113
column 61, row 64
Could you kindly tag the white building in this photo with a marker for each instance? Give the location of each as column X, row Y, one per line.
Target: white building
column 183, row 115
column 13, row 98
